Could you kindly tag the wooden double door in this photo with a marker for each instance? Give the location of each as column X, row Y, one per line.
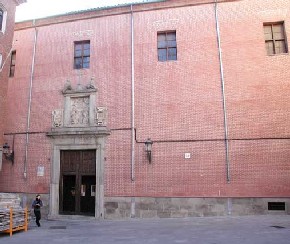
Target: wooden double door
column 77, row 182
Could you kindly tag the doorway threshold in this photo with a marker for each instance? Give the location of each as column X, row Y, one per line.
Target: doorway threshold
column 71, row 217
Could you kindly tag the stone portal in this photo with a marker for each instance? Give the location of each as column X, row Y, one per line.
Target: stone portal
column 79, row 128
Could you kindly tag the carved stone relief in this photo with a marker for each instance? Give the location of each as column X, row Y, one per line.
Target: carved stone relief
column 79, row 108
column 79, row 111
column 101, row 116
column 57, row 118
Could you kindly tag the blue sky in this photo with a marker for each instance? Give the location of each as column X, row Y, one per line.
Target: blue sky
column 35, row 9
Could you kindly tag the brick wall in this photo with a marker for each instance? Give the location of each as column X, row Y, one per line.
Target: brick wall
column 178, row 104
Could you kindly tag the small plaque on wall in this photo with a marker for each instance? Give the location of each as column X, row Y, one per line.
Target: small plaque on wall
column 187, row 155
column 40, row 171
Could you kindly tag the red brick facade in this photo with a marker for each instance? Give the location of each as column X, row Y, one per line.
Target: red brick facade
column 178, row 104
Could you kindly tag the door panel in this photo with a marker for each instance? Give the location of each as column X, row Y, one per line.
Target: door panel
column 88, row 194
column 77, row 179
column 69, row 192
column 88, row 165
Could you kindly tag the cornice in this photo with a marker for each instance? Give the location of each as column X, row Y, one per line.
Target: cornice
column 114, row 10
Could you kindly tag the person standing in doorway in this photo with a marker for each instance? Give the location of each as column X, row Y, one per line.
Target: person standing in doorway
column 36, row 205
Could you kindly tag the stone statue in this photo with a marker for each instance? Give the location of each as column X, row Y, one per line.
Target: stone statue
column 92, row 84
column 67, row 86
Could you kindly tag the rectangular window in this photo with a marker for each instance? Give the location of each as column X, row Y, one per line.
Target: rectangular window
column 12, row 64
column 166, row 46
column 275, row 38
column 82, row 55
column 1, row 18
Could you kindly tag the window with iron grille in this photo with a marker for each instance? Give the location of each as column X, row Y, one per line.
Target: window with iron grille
column 12, row 64
column 82, row 55
column 275, row 38
column 166, row 46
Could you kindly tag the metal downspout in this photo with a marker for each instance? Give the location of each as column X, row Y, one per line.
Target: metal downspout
column 223, row 92
column 133, row 205
column 29, row 101
column 132, row 99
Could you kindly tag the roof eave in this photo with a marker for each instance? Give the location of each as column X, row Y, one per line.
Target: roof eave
column 18, row 2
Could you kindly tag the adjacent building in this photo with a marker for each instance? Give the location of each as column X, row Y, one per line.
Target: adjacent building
column 160, row 109
column 7, row 18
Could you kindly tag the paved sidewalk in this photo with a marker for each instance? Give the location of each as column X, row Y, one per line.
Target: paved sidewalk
column 270, row 229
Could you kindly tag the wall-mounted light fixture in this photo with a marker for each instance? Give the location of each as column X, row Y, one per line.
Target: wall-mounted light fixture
column 148, row 149
column 9, row 154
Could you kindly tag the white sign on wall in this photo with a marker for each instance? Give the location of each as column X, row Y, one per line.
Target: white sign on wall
column 187, row 155
column 40, row 171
